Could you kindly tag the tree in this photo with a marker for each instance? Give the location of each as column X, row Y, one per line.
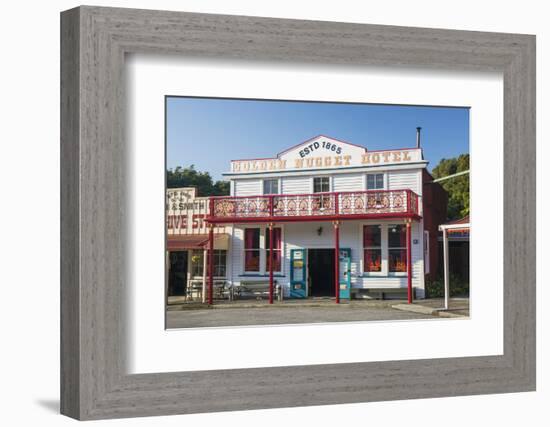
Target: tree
column 458, row 187
column 221, row 188
column 190, row 177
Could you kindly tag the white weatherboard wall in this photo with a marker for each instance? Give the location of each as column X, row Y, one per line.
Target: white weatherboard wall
column 295, row 184
column 248, row 187
column 376, row 280
column 305, row 236
column 397, row 179
column 348, row 182
column 400, row 179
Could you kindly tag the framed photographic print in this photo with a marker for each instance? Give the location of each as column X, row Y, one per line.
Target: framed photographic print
column 262, row 213
column 268, row 230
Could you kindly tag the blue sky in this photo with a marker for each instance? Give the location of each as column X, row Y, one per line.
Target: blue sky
column 210, row 132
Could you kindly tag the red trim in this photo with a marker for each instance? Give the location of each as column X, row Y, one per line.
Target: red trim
column 210, row 207
column 325, row 193
column 271, row 205
column 311, row 218
column 392, row 149
column 409, row 210
column 457, row 230
column 211, row 265
column 366, row 191
column 337, row 261
column 463, row 220
column 271, row 263
column 409, row 264
column 257, row 158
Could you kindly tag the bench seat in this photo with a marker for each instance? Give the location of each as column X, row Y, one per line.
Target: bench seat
column 380, row 293
column 258, row 288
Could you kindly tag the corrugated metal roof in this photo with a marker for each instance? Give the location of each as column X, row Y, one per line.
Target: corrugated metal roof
column 195, row 241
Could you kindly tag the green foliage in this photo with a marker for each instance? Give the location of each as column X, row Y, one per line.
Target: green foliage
column 457, row 287
column 458, row 187
column 190, row 177
column 221, row 188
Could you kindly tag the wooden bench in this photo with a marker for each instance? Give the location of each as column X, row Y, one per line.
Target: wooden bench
column 258, row 288
column 220, row 289
column 381, row 292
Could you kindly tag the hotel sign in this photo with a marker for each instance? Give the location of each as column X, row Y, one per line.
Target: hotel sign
column 314, row 159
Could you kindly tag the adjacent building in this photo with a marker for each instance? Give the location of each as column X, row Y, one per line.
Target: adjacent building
column 186, row 244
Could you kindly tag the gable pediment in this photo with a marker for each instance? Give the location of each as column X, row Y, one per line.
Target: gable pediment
column 321, row 146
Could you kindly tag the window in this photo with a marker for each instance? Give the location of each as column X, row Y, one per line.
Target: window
column 220, row 258
column 197, row 263
column 271, row 186
column 252, row 249
column 397, row 248
column 276, row 249
column 372, row 248
column 375, row 181
column 321, row 184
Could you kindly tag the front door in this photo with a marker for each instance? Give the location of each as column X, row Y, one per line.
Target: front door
column 177, row 276
column 321, row 272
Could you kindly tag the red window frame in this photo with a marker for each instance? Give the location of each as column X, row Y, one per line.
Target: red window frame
column 277, row 251
column 252, row 250
column 372, row 249
column 397, row 252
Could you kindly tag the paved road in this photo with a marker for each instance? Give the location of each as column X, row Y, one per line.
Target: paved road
column 283, row 315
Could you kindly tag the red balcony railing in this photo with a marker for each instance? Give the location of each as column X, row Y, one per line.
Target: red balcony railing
column 316, row 206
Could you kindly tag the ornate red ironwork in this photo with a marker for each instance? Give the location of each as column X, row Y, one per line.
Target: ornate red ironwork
column 352, row 204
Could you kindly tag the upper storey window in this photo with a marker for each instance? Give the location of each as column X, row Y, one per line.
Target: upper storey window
column 321, row 184
column 375, row 181
column 271, row 186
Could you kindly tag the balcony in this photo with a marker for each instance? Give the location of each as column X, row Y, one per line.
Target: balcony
column 315, row 207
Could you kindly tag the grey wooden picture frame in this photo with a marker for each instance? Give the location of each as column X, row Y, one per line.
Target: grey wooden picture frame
column 94, row 381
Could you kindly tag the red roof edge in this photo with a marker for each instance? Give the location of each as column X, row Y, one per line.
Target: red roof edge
column 464, row 220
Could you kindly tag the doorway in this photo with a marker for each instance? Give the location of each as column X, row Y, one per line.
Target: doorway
column 321, row 272
column 177, row 277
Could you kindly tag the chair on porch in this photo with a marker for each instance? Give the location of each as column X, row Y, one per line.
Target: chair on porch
column 220, row 289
